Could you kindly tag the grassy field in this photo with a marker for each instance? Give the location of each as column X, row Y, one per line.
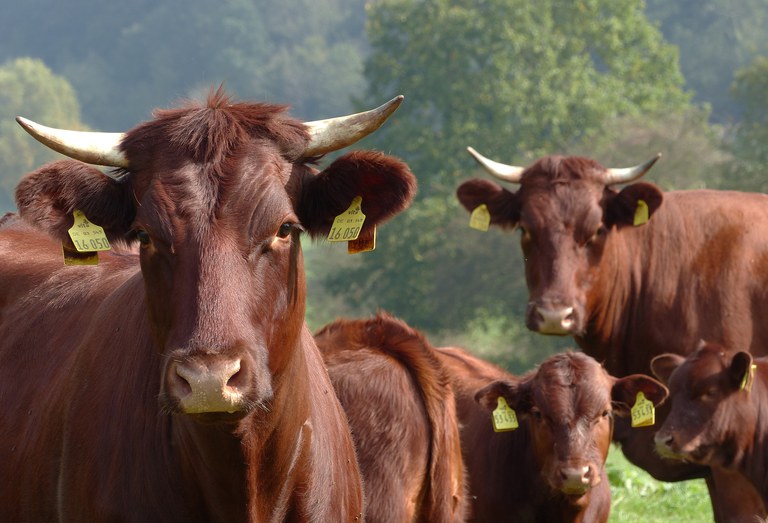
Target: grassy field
column 636, row 496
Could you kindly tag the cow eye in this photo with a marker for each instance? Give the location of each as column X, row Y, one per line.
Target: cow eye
column 287, row 228
column 536, row 413
column 143, row 237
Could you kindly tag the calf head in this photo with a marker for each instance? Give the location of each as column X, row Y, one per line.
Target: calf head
column 712, row 420
column 568, row 405
column 566, row 210
column 215, row 197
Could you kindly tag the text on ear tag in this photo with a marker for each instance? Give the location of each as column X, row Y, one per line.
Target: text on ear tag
column 749, row 377
column 86, row 236
column 504, row 417
column 347, row 225
column 641, row 213
column 480, row 218
column 643, row 413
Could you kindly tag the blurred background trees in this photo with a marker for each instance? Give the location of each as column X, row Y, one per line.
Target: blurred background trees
column 618, row 80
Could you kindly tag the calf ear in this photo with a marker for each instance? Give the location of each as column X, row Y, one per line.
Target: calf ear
column 740, row 366
column 621, row 208
column 488, row 396
column 664, row 365
column 385, row 184
column 48, row 196
column 624, row 392
column 502, row 204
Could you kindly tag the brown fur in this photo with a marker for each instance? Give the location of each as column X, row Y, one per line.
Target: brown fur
column 401, row 410
column 99, row 419
column 713, row 420
column 565, row 409
column 638, row 291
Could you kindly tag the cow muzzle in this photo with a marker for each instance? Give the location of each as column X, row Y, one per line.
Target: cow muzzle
column 557, row 320
column 208, row 384
column 576, row 481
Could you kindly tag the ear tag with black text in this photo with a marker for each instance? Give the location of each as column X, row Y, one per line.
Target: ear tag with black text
column 504, row 417
column 480, row 218
column 641, row 213
column 87, row 236
column 749, row 377
column 643, row 413
column 347, row 225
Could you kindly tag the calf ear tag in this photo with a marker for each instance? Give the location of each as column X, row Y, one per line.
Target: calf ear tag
column 749, row 377
column 87, row 239
column 347, row 225
column 480, row 218
column 643, row 413
column 641, row 213
column 504, row 417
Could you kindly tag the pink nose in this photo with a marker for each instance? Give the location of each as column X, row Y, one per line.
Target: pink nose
column 554, row 320
column 576, row 480
column 207, row 385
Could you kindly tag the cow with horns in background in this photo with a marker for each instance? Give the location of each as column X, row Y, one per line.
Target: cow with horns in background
column 633, row 273
column 180, row 382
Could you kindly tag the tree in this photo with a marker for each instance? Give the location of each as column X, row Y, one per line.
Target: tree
column 28, row 88
column 516, row 79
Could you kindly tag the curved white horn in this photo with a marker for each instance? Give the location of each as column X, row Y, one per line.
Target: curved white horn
column 89, row 147
column 628, row 174
column 336, row 133
column 507, row 173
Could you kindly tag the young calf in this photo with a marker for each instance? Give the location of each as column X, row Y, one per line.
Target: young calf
column 552, row 467
column 400, row 407
column 719, row 413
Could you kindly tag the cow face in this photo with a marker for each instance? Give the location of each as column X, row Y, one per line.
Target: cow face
column 216, row 198
column 566, row 213
column 711, row 420
column 568, row 405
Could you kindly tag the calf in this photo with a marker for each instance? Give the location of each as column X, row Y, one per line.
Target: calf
column 552, row 467
column 400, row 407
column 719, row 414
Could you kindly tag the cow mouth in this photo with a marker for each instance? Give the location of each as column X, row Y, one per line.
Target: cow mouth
column 217, row 418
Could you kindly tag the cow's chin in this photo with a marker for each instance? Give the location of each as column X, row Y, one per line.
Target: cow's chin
column 218, row 418
column 577, row 498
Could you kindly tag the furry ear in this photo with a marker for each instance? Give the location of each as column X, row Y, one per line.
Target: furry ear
column 624, row 392
column 502, row 204
column 739, row 368
column 664, row 365
column 385, row 184
column 621, row 207
column 47, row 197
column 513, row 392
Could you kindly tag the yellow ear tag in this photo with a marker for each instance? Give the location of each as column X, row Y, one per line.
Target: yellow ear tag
column 643, row 413
column 86, row 236
column 364, row 243
column 347, row 225
column 480, row 218
column 504, row 417
column 641, row 213
column 749, row 377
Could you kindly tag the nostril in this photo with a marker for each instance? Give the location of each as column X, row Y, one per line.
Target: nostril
column 180, row 382
column 237, row 377
column 586, row 474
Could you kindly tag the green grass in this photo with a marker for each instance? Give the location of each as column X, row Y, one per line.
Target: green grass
column 636, row 496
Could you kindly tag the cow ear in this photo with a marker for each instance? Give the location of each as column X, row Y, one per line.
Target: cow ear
column 48, row 196
column 622, row 208
column 502, row 204
column 740, row 367
column 385, row 184
column 488, row 396
column 624, row 392
column 663, row 365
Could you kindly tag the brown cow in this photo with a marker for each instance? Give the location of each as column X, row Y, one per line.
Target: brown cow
column 552, row 467
column 630, row 277
column 719, row 413
column 400, row 407
column 181, row 383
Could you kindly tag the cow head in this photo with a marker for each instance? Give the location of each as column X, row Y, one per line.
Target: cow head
column 568, row 405
column 566, row 209
column 214, row 197
column 712, row 419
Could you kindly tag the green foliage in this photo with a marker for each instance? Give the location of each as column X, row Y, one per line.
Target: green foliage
column 715, row 38
column 636, row 496
column 28, row 88
column 749, row 171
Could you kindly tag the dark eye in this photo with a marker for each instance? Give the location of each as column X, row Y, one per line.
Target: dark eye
column 606, row 413
column 599, row 233
column 536, row 413
column 143, row 237
column 287, row 228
